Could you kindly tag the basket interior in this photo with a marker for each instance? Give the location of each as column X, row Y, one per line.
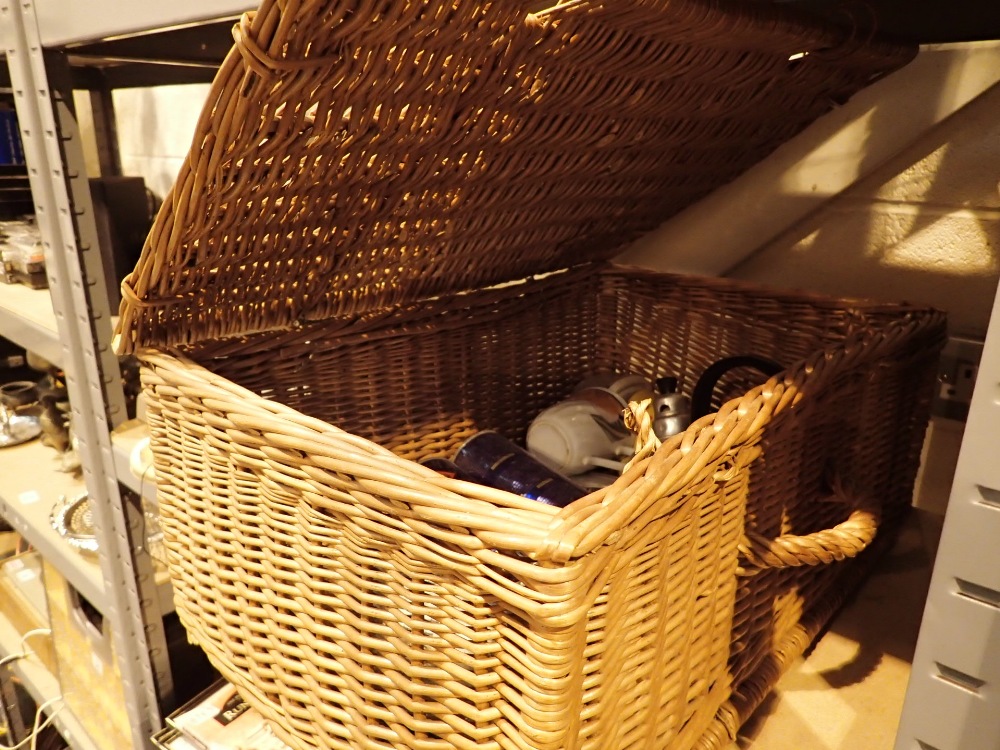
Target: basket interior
column 442, row 371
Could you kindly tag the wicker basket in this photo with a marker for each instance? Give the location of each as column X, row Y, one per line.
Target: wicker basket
column 359, row 600
column 327, row 297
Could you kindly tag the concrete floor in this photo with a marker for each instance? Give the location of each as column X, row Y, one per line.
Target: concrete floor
column 847, row 693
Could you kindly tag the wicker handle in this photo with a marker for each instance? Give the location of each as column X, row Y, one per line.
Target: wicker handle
column 704, row 389
column 847, row 539
column 638, row 420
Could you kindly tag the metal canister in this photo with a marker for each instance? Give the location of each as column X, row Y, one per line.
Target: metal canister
column 671, row 410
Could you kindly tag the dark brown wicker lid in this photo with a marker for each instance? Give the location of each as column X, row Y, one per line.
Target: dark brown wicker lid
column 371, row 154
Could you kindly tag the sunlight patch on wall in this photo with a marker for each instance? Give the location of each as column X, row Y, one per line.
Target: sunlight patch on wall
column 835, row 164
column 804, row 245
column 917, row 181
column 958, row 244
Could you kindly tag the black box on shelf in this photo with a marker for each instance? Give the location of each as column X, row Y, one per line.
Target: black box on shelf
column 15, row 192
column 14, row 363
column 123, row 216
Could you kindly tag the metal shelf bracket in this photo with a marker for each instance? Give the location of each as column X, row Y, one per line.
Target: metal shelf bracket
column 43, row 97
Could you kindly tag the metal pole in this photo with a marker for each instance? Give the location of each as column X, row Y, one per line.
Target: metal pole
column 106, row 130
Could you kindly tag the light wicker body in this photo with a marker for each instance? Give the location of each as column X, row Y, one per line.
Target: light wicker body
column 362, row 601
column 358, row 168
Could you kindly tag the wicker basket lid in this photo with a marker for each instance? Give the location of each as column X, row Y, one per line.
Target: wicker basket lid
column 356, row 156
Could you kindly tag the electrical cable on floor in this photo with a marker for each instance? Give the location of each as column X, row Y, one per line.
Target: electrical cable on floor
column 24, row 652
column 32, row 739
column 37, row 728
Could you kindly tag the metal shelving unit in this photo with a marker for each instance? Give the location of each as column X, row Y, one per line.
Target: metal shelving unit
column 52, row 47
column 953, row 698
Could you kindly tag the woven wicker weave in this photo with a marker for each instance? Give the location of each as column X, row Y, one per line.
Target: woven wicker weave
column 352, row 158
column 314, row 311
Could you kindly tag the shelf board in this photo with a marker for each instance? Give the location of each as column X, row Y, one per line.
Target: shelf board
column 27, row 319
column 62, row 23
column 29, row 485
column 43, row 686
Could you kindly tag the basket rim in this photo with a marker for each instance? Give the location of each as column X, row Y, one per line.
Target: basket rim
column 444, row 305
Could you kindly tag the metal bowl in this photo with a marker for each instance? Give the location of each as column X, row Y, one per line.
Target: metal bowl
column 73, row 520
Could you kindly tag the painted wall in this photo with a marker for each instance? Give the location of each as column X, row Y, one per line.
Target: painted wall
column 155, row 127
column 891, row 196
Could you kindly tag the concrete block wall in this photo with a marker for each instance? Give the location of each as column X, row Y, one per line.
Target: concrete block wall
column 924, row 227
